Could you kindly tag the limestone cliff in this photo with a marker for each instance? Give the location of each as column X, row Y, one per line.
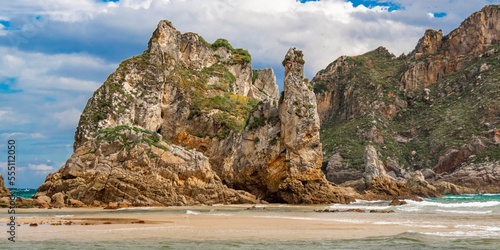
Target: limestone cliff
column 435, row 109
column 188, row 122
column 437, row 55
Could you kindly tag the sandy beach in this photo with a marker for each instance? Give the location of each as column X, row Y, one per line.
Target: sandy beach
column 240, row 223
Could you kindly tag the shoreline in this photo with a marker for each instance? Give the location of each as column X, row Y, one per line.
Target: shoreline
column 265, row 223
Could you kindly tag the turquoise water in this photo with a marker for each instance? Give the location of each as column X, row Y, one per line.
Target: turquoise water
column 26, row 193
column 466, row 198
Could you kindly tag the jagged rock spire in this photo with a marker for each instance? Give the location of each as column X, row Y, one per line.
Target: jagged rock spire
column 299, row 117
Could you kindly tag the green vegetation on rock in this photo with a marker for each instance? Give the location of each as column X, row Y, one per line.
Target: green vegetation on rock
column 129, row 137
column 455, row 110
column 240, row 55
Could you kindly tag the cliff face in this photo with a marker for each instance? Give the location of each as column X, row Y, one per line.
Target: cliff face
column 434, row 109
column 188, row 122
column 437, row 55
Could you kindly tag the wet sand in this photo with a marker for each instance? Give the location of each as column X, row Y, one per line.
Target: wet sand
column 274, row 223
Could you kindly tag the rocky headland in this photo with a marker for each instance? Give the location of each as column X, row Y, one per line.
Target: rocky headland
column 435, row 110
column 190, row 122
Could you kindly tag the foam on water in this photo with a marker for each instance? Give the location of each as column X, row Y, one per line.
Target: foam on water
column 464, row 211
column 485, row 228
column 468, row 234
column 363, row 204
column 426, row 203
column 191, row 212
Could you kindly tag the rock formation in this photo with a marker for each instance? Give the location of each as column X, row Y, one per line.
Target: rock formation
column 376, row 184
column 481, row 178
column 138, row 169
column 4, row 191
column 188, row 122
column 373, row 166
column 433, row 110
column 475, row 35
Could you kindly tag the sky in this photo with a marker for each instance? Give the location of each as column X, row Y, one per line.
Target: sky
column 55, row 53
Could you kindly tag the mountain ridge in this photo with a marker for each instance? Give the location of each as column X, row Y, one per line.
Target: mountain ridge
column 432, row 109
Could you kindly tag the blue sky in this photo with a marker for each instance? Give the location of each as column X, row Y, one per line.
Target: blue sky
column 55, row 53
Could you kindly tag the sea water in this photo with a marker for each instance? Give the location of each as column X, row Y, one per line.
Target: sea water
column 25, row 193
column 467, row 222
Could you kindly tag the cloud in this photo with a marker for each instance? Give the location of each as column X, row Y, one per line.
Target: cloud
column 37, row 136
column 40, row 167
column 4, row 168
column 38, row 71
column 22, row 136
column 68, row 118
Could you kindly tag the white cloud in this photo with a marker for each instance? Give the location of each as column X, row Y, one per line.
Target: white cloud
column 68, row 118
column 37, row 136
column 3, row 166
column 12, row 135
column 40, row 167
column 136, row 4
column 22, row 136
column 36, row 71
column 4, row 169
column 324, row 29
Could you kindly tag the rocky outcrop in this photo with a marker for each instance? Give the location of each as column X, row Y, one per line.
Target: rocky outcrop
column 264, row 85
column 430, row 43
column 454, row 158
column 125, row 169
column 338, row 172
column 446, row 188
column 188, row 122
column 384, row 188
column 377, row 185
column 171, row 82
column 340, row 95
column 433, row 110
column 481, row 178
column 4, row 191
column 299, row 119
column 303, row 182
column 437, row 55
column 373, row 166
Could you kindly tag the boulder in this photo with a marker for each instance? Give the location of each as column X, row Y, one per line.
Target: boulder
column 42, row 201
column 58, row 200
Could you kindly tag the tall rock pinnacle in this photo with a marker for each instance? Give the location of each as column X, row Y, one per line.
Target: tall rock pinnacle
column 300, row 121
